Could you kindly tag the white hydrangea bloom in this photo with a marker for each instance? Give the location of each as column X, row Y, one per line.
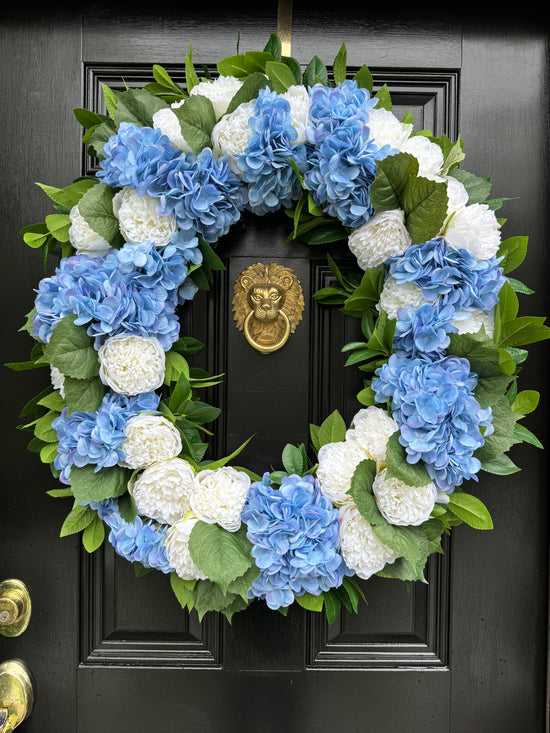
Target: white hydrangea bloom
column 372, row 430
column 138, row 218
column 457, row 195
column 386, row 129
column 163, row 490
column 220, row 92
column 131, row 365
column 361, row 549
column 396, row 295
column 383, row 236
column 219, row 496
column 472, row 321
column 149, row 438
column 177, row 550
column 401, row 504
column 58, row 380
column 429, row 155
column 167, row 122
column 476, row 229
column 337, row 463
column 230, row 135
column 83, row 238
column 298, row 98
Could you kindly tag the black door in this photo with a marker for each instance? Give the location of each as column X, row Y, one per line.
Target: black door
column 112, row 652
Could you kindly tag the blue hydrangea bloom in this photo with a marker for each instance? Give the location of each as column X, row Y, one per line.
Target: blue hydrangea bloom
column 139, row 541
column 449, row 276
column 201, row 192
column 440, row 421
column 331, row 107
column 342, row 169
column 423, row 331
column 134, row 290
column 96, row 438
column 131, row 157
column 265, row 166
column 294, row 532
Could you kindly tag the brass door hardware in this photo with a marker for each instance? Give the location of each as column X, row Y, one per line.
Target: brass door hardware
column 267, row 304
column 15, row 608
column 16, row 695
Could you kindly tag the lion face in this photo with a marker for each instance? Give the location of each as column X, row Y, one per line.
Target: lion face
column 266, row 301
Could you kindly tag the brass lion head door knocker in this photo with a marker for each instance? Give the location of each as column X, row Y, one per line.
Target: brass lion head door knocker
column 268, row 303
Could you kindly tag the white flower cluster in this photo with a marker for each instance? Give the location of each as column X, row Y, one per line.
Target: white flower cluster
column 138, row 218
column 398, row 503
column 469, row 226
column 131, row 365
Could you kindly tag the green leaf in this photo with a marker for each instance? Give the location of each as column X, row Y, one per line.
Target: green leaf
column 78, row 519
column 93, row 535
column 71, row 350
column 127, row 508
column 111, row 99
column 392, row 176
column 523, row 330
column 526, row 402
column 514, row 251
column 364, row 78
column 339, row 67
column 96, row 208
column 241, row 65
column 366, row 396
column 97, row 136
column 274, row 46
column 332, row 429
column 48, row 453
column 280, row 76
column 83, row 395
column 409, row 542
column 293, row 460
column 310, row 602
column 60, row 493
column 333, row 605
column 181, row 394
column 315, row 68
column 526, row 436
column 43, row 428
column 478, row 189
column 175, row 366
column 503, row 437
column 411, row 474
column 501, row 465
column 183, row 590
column 137, row 106
column 58, row 226
column 425, row 205
column 384, row 98
column 197, row 119
column 249, row 90
column 361, row 491
column 70, row 195
column 90, row 485
column 191, row 78
column 470, row 509
column 222, row 556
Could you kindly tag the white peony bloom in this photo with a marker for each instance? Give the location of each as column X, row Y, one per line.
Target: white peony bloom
column 149, row 438
column 386, row 129
column 472, row 321
column 372, row 430
column 131, row 365
column 401, row 504
column 177, row 550
column 383, row 236
column 361, row 549
column 337, row 463
column 163, row 490
column 139, row 220
column 83, row 238
column 298, row 98
column 396, row 295
column 220, row 92
column 219, row 496
column 167, row 122
column 429, row 155
column 476, row 229
column 58, row 380
column 457, row 195
column 230, row 135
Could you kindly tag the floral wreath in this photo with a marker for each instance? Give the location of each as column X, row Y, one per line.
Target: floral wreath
column 122, row 425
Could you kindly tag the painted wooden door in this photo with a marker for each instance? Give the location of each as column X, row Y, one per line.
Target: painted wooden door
column 113, row 653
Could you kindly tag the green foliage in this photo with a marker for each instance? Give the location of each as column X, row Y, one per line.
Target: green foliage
column 197, row 119
column 397, row 465
column 339, row 66
column 470, row 509
column 91, row 485
column 71, row 350
column 93, row 535
column 96, row 208
column 222, row 556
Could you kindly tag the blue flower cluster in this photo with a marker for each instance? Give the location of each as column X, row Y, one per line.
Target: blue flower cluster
column 294, row 532
column 96, row 438
column 139, row 541
column 265, row 163
column 134, row 290
column 342, row 159
column 440, row 421
column 423, row 331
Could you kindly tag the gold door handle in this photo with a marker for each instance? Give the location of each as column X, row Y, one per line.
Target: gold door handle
column 15, row 608
column 16, row 695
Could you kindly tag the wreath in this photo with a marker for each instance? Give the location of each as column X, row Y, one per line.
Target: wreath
column 122, row 424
